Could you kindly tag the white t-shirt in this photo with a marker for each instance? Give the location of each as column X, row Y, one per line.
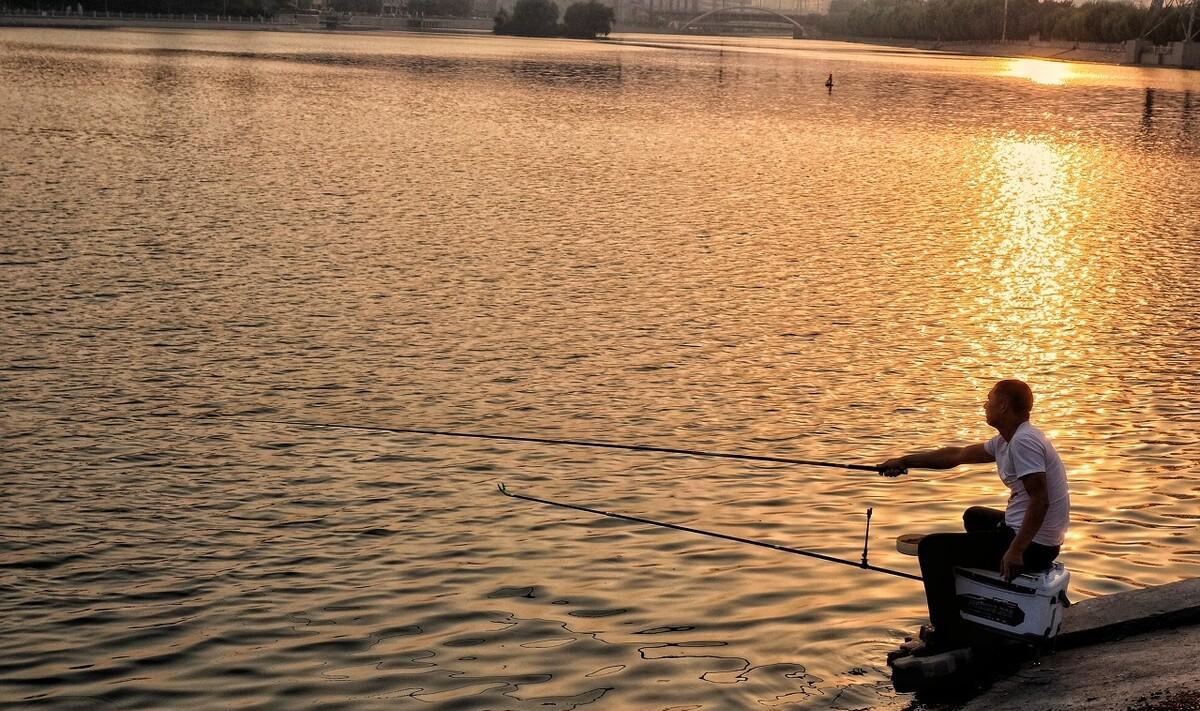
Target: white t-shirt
column 1030, row 452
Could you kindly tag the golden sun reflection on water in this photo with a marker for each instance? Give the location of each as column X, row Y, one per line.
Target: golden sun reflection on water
column 1028, row 254
column 1038, row 287
column 1040, row 71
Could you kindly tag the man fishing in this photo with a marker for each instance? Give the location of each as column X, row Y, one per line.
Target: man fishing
column 1024, row 537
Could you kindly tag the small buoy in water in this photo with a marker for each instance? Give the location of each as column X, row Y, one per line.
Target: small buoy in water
column 829, row 81
column 908, row 542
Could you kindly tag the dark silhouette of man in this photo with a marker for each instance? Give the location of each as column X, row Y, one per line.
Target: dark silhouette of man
column 1026, row 536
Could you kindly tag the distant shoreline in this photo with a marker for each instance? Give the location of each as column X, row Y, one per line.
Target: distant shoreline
column 1093, row 52
column 281, row 23
column 1063, row 51
column 1057, row 51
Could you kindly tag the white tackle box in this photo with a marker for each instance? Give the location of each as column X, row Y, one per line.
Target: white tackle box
column 1030, row 606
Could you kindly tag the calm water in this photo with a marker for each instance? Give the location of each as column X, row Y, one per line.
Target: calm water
column 665, row 241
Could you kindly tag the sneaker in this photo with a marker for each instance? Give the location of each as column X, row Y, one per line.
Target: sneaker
column 938, row 644
column 909, row 646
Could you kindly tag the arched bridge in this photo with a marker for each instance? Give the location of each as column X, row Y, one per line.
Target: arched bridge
column 744, row 16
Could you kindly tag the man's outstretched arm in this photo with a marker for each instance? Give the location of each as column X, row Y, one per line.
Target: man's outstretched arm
column 944, row 458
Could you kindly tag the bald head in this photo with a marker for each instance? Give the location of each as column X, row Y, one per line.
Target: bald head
column 1016, row 395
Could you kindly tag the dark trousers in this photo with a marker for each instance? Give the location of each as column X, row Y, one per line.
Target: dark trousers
column 982, row 546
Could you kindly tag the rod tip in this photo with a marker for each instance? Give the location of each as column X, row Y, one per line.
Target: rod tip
column 500, row 487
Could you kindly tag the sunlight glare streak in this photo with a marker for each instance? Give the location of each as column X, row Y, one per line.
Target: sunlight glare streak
column 1037, row 203
column 1040, row 71
column 1031, row 265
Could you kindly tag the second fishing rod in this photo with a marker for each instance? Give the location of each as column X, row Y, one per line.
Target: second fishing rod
column 863, row 564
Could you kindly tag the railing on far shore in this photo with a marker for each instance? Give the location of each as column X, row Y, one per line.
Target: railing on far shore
column 21, row 13
column 101, row 18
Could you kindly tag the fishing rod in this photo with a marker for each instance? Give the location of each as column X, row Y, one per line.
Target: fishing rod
column 569, row 442
column 864, row 565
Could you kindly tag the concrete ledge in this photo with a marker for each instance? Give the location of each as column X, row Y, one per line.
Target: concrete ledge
column 1102, row 619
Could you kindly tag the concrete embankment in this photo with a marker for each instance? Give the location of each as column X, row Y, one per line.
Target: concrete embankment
column 1032, row 49
column 1062, row 51
column 147, row 20
column 282, row 23
column 1132, row 651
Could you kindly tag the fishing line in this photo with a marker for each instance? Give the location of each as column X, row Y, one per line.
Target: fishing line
column 863, row 565
column 568, row 442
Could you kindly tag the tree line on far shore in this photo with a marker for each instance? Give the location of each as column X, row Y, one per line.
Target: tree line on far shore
column 981, row 20
column 539, row 18
column 939, row 20
column 531, row 18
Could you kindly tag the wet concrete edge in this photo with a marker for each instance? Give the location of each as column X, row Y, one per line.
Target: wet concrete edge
column 1109, row 617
